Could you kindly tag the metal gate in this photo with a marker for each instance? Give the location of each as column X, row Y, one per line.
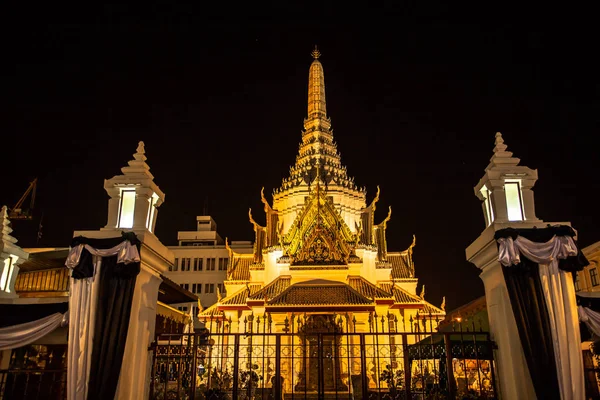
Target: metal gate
column 323, row 357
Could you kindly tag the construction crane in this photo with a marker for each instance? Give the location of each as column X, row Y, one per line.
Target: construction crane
column 17, row 211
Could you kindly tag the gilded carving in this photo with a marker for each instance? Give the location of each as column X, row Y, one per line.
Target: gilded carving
column 380, row 237
column 260, row 238
column 319, row 235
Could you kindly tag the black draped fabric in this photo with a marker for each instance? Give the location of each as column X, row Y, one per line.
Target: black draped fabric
column 85, row 268
column 529, row 307
column 530, row 310
column 115, row 295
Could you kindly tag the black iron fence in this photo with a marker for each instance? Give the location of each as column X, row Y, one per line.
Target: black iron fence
column 33, row 384
column 591, row 370
column 35, row 372
column 323, row 357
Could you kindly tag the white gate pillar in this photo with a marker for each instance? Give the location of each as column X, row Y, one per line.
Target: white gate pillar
column 512, row 379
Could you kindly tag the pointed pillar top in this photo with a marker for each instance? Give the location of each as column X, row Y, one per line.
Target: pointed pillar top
column 501, row 156
column 140, row 152
column 499, row 143
column 6, row 229
column 138, row 164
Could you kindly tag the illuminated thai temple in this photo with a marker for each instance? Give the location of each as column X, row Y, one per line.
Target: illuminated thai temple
column 321, row 252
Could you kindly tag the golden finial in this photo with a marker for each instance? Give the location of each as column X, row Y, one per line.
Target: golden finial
column 316, row 53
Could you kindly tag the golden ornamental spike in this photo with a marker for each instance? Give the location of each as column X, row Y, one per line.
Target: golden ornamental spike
column 316, row 53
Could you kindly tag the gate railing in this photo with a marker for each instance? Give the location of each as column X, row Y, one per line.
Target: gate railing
column 33, row 384
column 35, row 372
column 323, row 360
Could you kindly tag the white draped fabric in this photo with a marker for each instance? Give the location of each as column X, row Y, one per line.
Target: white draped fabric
column 12, row 337
column 82, row 308
column 559, row 295
column 125, row 251
column 83, row 298
column 590, row 318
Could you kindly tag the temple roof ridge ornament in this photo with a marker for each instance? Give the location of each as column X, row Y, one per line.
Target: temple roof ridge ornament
column 252, row 221
column 386, row 219
column 372, row 206
column 264, row 200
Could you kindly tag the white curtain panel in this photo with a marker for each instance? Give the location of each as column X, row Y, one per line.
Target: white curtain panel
column 559, row 294
column 82, row 309
column 591, row 319
column 83, row 298
column 12, row 337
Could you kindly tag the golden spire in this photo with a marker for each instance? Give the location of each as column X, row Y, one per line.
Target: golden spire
column 316, row 53
column 316, row 89
column 318, row 197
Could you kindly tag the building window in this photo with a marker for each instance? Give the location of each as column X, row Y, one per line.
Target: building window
column 182, row 308
column 186, row 286
column 197, row 288
column 223, row 264
column 210, row 264
column 487, row 205
column 514, row 202
column 185, row 264
column 577, row 282
column 594, row 276
column 209, row 288
column 126, row 209
column 198, row 264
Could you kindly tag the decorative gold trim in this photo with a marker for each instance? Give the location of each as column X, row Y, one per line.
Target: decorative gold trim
column 316, row 267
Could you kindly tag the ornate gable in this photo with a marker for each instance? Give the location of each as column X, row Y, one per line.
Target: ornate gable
column 319, row 235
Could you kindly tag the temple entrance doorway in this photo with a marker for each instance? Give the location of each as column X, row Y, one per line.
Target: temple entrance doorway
column 321, row 368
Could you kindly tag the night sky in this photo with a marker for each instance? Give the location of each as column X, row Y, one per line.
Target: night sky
column 415, row 93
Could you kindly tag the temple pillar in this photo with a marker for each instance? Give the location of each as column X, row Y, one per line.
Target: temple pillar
column 134, row 379
column 137, row 359
column 507, row 202
column 155, row 259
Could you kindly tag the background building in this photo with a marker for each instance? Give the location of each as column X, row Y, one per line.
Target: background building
column 588, row 279
column 201, row 260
